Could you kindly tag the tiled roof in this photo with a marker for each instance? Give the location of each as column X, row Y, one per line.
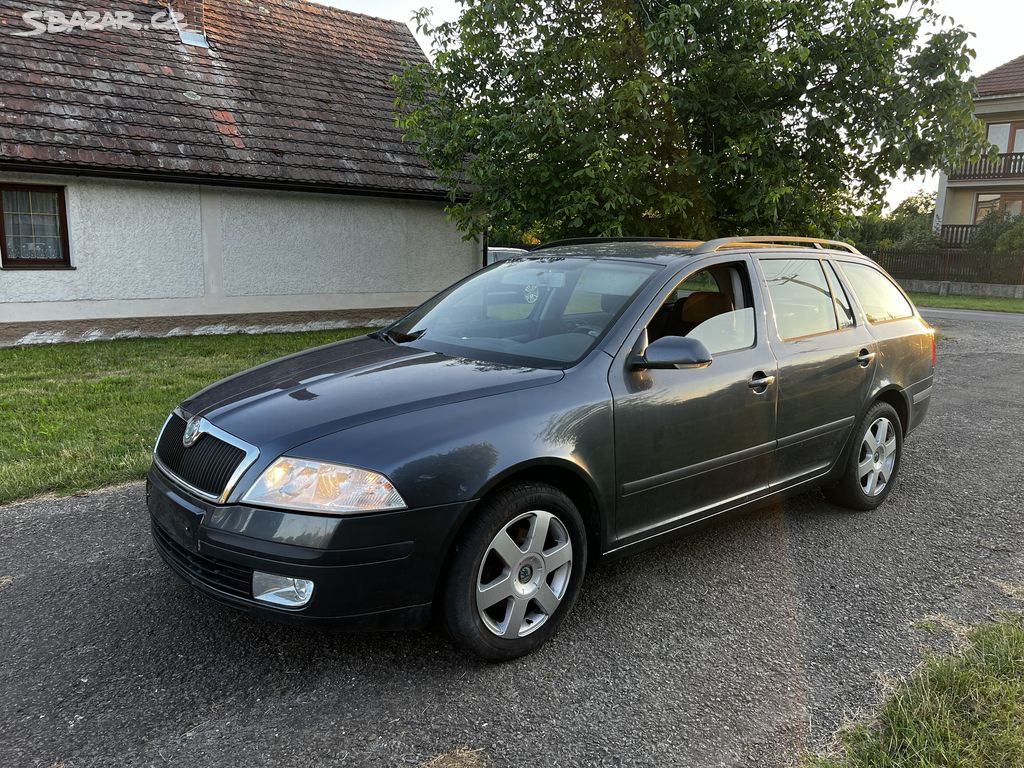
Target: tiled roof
column 290, row 94
column 1005, row 79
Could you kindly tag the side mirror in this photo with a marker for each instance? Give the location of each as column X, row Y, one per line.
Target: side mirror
column 673, row 352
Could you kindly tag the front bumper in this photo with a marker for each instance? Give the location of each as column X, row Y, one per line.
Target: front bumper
column 375, row 571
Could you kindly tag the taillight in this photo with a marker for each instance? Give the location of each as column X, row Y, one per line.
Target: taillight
column 935, row 356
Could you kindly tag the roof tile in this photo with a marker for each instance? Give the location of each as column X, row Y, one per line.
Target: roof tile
column 1003, row 80
column 290, row 93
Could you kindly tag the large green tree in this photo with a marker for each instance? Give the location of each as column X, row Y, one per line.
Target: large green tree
column 612, row 117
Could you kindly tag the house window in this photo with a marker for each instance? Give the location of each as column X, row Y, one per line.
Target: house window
column 1008, row 137
column 33, row 227
column 1011, row 204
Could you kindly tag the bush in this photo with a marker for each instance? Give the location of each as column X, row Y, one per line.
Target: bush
column 908, row 226
column 988, row 232
column 1013, row 238
column 917, row 233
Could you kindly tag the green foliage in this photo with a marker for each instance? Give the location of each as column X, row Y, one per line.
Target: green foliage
column 920, row 203
column 961, row 711
column 80, row 416
column 610, row 117
column 1012, row 239
column 908, row 227
column 990, row 230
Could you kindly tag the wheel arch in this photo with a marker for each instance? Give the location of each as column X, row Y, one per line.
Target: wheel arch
column 898, row 400
column 568, row 477
column 890, row 394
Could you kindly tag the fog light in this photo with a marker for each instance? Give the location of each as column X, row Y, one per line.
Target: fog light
column 281, row 590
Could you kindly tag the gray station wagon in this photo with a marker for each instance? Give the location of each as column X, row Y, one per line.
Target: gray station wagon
column 471, row 461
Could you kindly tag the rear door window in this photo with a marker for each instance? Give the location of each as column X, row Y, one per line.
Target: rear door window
column 878, row 295
column 800, row 297
column 844, row 311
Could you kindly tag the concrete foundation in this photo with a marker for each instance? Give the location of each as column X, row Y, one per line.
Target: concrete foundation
column 60, row 331
column 948, row 288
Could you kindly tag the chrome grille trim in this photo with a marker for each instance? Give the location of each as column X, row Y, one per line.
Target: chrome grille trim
column 251, row 454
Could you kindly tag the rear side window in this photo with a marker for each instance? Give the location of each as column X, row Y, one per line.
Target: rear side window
column 800, row 297
column 879, row 296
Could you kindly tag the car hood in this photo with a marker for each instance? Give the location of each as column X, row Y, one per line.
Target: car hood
column 299, row 398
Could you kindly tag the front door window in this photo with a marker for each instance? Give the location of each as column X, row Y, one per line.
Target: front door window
column 712, row 306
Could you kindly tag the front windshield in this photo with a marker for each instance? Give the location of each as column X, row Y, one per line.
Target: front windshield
column 547, row 312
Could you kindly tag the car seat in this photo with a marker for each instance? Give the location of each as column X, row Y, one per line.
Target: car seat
column 701, row 306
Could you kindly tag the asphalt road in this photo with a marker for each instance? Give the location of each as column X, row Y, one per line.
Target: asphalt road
column 737, row 645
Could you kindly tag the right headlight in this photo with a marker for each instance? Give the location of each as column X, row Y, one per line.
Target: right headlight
column 319, row 486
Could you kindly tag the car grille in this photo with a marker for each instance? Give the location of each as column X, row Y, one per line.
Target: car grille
column 208, row 465
column 233, row 579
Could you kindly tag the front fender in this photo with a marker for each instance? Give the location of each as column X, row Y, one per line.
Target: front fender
column 459, row 451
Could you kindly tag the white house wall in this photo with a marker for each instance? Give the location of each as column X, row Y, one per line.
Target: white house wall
column 283, row 243
column 128, row 241
column 143, row 249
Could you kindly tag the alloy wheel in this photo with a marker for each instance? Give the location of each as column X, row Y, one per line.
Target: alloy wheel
column 877, row 457
column 524, row 574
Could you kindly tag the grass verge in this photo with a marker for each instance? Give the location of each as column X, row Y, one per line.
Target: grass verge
column 81, row 416
column 964, row 710
column 989, row 303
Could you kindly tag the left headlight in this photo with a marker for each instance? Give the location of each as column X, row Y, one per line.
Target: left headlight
column 318, row 486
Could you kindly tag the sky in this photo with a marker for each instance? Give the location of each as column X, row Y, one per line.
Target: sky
column 997, row 24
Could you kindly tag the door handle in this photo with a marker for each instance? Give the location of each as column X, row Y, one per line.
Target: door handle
column 865, row 358
column 760, row 382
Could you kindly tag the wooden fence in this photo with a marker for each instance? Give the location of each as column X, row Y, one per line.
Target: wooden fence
column 954, row 264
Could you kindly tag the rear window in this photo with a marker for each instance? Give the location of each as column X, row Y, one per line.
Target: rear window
column 879, row 296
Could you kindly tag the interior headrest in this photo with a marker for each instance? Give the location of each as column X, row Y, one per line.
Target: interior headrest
column 702, row 305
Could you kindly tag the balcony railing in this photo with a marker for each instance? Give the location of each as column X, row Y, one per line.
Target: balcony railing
column 958, row 235
column 1005, row 166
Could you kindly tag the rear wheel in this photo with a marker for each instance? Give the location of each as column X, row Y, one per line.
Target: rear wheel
column 515, row 573
column 874, row 461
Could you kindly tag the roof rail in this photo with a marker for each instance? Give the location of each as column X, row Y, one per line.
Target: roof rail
column 764, row 241
column 594, row 240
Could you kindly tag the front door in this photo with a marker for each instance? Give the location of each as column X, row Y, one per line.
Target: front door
column 693, row 442
column 826, row 364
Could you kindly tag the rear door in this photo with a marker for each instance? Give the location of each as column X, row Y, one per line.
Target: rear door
column 690, row 443
column 826, row 363
column 904, row 340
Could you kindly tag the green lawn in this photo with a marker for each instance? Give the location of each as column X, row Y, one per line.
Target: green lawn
column 81, row 416
column 993, row 304
column 964, row 710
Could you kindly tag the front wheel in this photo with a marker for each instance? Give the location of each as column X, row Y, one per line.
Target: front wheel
column 874, row 461
column 516, row 572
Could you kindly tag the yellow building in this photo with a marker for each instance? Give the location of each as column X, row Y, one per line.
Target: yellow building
column 968, row 193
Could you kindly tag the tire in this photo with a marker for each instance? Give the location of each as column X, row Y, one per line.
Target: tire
column 872, row 466
column 531, row 595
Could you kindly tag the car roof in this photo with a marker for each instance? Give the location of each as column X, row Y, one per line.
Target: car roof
column 670, row 250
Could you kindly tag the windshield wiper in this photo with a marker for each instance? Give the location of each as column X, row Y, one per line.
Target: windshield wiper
column 397, row 337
